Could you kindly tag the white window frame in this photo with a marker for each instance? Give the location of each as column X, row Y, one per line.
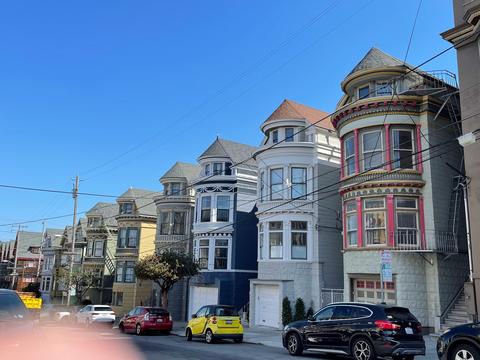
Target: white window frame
column 367, row 154
column 275, row 136
column 289, row 138
column 349, row 157
column 361, row 88
column 203, row 207
column 394, row 149
column 351, row 213
column 228, row 208
column 292, row 231
column 366, row 229
column 215, row 247
column 281, row 246
column 277, row 194
column 304, row 182
column 95, row 249
column 400, row 238
column 261, row 240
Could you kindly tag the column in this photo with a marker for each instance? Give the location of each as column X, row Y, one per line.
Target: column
column 421, row 215
column 387, row 147
column 359, row 223
column 419, row 149
column 355, row 144
column 390, row 221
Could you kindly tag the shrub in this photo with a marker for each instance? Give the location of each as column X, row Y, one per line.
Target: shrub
column 309, row 312
column 299, row 310
column 286, row 311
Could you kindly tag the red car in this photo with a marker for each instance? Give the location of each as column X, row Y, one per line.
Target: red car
column 142, row 319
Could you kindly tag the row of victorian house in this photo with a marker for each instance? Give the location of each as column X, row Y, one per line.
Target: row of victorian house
column 306, row 214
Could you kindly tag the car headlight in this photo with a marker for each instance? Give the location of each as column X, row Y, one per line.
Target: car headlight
column 285, row 328
column 446, row 331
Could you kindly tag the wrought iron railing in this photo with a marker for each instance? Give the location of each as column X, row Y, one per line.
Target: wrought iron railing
column 434, row 240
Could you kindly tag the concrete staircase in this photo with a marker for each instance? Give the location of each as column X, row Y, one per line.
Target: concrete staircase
column 457, row 315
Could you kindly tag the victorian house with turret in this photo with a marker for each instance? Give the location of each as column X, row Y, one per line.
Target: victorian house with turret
column 224, row 226
column 399, row 186
column 175, row 213
column 299, row 227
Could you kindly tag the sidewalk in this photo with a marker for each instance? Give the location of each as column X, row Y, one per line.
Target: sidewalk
column 273, row 338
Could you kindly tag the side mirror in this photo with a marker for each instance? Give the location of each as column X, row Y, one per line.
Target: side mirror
column 194, row 316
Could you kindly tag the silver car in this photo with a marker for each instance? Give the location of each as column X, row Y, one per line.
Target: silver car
column 91, row 314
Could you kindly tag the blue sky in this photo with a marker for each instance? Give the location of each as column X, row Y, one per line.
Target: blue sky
column 83, row 82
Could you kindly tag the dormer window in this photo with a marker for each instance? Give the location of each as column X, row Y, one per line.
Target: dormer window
column 126, row 208
column 383, row 88
column 207, row 169
column 364, row 92
column 289, row 134
column 175, row 189
column 94, row 222
column 217, row 168
column 275, row 136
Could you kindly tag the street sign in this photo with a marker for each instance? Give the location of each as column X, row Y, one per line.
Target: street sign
column 386, row 257
column 386, row 266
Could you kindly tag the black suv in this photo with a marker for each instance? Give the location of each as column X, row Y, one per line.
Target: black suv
column 363, row 331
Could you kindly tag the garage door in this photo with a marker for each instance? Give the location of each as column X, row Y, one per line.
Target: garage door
column 200, row 296
column 267, row 305
column 370, row 290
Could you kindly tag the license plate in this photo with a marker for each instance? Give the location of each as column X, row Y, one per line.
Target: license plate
column 159, row 320
column 229, row 322
column 408, row 331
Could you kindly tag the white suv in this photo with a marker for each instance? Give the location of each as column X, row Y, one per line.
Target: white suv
column 95, row 314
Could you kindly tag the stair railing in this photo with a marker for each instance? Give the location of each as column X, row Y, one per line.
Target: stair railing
column 452, row 302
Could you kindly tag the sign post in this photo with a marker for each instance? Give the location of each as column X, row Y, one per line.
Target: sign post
column 386, row 274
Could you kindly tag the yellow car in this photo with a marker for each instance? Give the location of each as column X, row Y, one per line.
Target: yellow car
column 214, row 322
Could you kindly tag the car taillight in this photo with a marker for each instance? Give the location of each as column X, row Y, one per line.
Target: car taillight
column 419, row 327
column 386, row 325
column 112, row 313
column 214, row 320
column 146, row 317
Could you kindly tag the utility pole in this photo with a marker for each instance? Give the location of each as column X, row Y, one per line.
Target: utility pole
column 17, row 243
column 40, row 255
column 74, row 230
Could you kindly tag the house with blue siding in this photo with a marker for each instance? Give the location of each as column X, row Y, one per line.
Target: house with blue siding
column 224, row 226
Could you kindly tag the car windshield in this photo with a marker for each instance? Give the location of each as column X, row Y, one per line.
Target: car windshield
column 102, row 308
column 399, row 313
column 225, row 311
column 11, row 307
column 157, row 311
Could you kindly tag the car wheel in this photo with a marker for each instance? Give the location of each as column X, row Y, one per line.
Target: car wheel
column 138, row 329
column 362, row 349
column 294, row 344
column 465, row 352
column 188, row 334
column 208, row 336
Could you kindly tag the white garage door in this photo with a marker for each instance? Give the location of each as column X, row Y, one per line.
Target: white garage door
column 200, row 296
column 267, row 305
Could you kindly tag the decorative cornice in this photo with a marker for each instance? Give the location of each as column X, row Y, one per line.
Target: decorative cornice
column 382, row 190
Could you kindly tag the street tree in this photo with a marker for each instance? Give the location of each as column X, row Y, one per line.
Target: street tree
column 81, row 280
column 166, row 268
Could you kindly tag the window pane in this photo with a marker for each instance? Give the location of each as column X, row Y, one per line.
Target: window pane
column 352, row 222
column 205, row 211
column 349, row 146
column 406, row 203
column 275, row 225
column 221, row 242
column 374, row 203
column 374, row 219
column 407, row 220
column 363, row 92
column 221, row 258
column 203, row 257
column 132, row 237
column 217, row 168
column 164, row 223
column 299, row 225
column 373, row 160
column 402, row 139
column 289, row 134
column 383, row 88
column 98, row 248
column 276, row 184
column 178, row 223
column 351, row 206
column 276, row 176
column 223, row 205
column 372, row 141
column 375, row 237
column 403, row 159
column 276, row 245
column 299, row 245
column 275, row 136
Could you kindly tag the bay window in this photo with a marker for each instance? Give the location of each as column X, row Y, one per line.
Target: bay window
column 119, row 272
column 275, row 235
column 126, row 208
column 223, row 208
column 402, row 149
column 89, row 248
column 372, row 146
column 217, row 168
column 221, row 254
column 351, row 221
column 407, row 224
column 275, row 136
column 276, row 184
column 206, row 209
column 349, row 155
column 175, row 189
column 122, row 238
column 129, row 271
column 299, row 240
column 299, row 183
column 127, row 237
column 374, row 220
column 132, row 237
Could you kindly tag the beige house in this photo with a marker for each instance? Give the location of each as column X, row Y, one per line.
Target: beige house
column 136, row 220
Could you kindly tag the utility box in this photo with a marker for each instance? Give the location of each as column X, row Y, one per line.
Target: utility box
column 470, row 298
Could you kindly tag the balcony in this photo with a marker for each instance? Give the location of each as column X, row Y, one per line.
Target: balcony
column 402, row 176
column 409, row 240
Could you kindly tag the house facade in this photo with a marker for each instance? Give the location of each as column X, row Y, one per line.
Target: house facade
column 299, row 229
column 136, row 222
column 99, row 257
column 465, row 36
column 224, row 226
column 50, row 253
column 399, row 192
column 175, row 213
